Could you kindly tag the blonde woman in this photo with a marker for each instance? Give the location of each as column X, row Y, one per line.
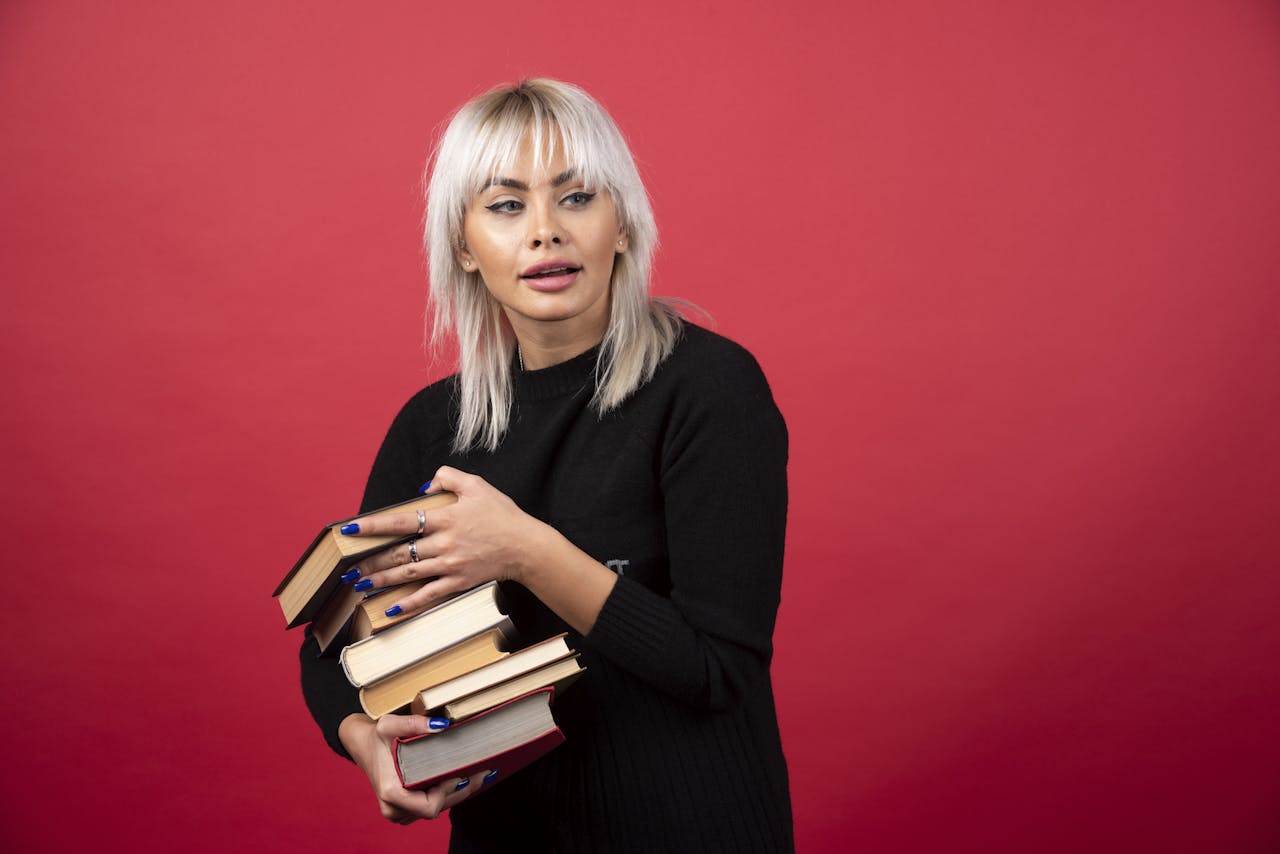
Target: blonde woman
column 622, row 473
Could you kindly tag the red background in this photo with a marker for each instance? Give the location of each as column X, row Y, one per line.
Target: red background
column 1011, row 268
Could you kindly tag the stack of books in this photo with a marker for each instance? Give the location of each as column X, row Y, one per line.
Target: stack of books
column 458, row 659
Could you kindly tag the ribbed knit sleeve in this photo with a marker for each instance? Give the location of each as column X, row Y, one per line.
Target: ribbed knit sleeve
column 330, row 697
column 723, row 479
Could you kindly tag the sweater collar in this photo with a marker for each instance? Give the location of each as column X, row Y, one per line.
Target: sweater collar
column 558, row 380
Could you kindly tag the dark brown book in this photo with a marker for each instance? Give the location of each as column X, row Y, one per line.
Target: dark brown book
column 316, row 575
column 331, row 626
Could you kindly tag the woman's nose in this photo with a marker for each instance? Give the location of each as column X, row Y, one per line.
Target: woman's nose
column 544, row 229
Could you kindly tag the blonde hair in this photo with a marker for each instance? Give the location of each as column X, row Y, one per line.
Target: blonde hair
column 483, row 139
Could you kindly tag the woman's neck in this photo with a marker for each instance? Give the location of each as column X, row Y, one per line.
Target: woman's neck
column 544, row 345
column 533, row 358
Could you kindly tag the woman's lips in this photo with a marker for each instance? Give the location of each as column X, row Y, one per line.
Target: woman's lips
column 553, row 280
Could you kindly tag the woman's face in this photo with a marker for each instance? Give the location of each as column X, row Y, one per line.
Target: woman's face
column 545, row 245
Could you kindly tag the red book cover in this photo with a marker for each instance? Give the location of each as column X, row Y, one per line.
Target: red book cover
column 504, row 739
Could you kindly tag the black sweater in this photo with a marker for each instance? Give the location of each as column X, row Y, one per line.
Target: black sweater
column 673, row 741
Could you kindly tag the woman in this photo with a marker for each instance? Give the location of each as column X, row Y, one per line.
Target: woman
column 620, row 471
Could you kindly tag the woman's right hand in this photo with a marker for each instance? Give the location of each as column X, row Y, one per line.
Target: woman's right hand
column 370, row 744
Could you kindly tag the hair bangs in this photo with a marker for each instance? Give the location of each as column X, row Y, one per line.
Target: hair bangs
column 548, row 129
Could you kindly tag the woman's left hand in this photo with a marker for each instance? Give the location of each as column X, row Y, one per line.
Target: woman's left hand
column 482, row 537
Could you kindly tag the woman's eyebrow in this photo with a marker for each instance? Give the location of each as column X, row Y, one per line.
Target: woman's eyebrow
column 563, row 177
column 498, row 181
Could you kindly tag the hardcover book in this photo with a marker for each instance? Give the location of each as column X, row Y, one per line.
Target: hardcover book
column 503, row 739
column 435, row 697
column 316, row 574
column 558, row 675
column 396, row 691
column 427, row 634
column 371, row 615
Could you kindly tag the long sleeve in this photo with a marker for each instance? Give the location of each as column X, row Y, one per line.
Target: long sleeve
column 723, row 481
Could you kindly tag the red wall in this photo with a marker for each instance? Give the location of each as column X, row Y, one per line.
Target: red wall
column 1011, row 267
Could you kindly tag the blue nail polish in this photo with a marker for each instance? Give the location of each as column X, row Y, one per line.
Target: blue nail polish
column 364, row 584
column 489, row 778
column 425, row 488
column 394, row 611
column 462, row 784
column 437, row 724
column 350, row 575
column 350, row 528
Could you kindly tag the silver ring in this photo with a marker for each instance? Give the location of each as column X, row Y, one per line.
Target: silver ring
column 422, row 521
column 413, row 551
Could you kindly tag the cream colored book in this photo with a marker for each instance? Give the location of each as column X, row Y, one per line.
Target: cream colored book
column 420, row 637
column 398, row 690
column 511, row 666
column 559, row 675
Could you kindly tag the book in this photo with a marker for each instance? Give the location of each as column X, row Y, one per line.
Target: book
column 503, row 739
column 558, row 675
column 336, row 615
column 430, row 632
column 306, row 586
column 371, row 617
column 430, row 698
column 396, row 691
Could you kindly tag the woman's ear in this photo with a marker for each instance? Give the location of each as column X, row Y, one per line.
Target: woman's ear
column 464, row 258
column 621, row 245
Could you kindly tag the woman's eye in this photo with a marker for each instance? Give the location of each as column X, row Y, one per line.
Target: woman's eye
column 507, row 206
column 579, row 199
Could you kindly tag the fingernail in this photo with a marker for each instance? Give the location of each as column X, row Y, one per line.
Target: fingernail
column 425, row 488
column 437, row 724
column 489, row 778
column 350, row 528
column 394, row 611
column 462, row 784
column 364, row 584
column 350, row 575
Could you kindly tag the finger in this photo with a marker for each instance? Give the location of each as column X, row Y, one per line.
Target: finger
column 395, row 557
column 455, row 480
column 397, row 565
column 394, row 814
column 388, row 524
column 432, row 593
column 391, row 727
column 430, row 569
column 461, row 789
column 388, row 558
column 371, row 572
column 400, row 803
